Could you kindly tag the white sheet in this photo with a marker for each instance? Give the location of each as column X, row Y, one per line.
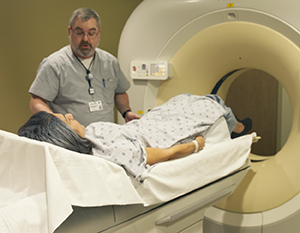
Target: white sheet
column 40, row 182
column 220, row 157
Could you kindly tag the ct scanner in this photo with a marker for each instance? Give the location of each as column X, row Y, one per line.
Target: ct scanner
column 204, row 40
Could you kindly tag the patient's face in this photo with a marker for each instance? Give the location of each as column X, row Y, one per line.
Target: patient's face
column 69, row 120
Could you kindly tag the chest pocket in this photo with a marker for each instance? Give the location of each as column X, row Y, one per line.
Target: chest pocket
column 109, row 87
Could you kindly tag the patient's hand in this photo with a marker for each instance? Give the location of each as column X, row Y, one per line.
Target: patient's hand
column 201, row 142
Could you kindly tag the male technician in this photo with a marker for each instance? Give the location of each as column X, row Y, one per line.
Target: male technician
column 80, row 78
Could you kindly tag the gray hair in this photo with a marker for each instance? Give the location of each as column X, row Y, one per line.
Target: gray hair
column 46, row 127
column 85, row 14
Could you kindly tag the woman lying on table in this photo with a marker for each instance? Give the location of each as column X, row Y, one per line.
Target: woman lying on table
column 170, row 131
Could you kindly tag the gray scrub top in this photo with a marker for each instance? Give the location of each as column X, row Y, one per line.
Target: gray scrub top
column 61, row 79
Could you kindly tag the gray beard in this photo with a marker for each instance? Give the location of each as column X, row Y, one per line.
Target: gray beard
column 89, row 54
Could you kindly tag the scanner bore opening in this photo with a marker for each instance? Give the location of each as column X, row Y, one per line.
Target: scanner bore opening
column 256, row 94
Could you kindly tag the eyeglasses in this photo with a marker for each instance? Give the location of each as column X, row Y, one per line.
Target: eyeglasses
column 90, row 34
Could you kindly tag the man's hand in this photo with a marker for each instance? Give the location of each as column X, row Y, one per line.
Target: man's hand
column 131, row 116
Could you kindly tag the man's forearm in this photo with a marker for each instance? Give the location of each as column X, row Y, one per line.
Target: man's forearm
column 122, row 102
column 38, row 104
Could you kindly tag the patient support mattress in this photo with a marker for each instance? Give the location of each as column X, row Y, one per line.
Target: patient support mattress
column 40, row 182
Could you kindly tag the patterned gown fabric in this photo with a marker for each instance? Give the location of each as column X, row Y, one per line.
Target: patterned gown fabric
column 179, row 120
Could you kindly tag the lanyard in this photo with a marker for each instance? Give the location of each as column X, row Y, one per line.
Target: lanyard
column 89, row 76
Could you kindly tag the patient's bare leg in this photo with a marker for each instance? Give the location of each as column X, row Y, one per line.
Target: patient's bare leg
column 239, row 128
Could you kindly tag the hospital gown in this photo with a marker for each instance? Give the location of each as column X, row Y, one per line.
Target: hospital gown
column 179, row 120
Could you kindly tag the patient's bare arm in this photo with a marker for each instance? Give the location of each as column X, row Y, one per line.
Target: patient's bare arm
column 155, row 155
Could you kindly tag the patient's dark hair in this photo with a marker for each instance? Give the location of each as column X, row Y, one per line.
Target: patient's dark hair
column 46, row 127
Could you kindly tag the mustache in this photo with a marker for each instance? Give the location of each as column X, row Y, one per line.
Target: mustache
column 85, row 43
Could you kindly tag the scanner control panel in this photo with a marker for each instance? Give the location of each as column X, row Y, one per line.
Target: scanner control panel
column 150, row 70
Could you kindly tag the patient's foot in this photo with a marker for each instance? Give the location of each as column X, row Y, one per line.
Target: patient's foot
column 241, row 128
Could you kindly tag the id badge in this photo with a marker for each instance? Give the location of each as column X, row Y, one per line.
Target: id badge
column 95, row 106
